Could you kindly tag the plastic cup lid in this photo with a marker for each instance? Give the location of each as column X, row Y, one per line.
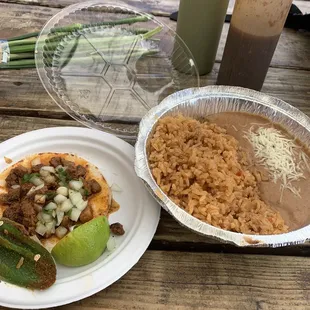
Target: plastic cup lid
column 108, row 64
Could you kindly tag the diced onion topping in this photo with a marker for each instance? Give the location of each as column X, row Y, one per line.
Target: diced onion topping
column 50, row 227
column 40, row 199
column 36, row 161
column 50, row 179
column 60, row 216
column 75, row 197
column 36, row 181
column 81, row 205
column 62, row 191
column 111, row 244
column 47, row 217
column 115, row 188
column 60, row 167
column 40, row 229
column 49, row 169
column 15, row 186
column 50, row 206
column 44, row 173
column 68, row 199
column 76, row 185
column 66, row 205
column 61, row 231
column 60, row 199
column 75, row 214
column 35, row 188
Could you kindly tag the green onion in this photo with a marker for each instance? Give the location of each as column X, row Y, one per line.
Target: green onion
column 116, row 41
column 30, row 63
column 48, row 211
column 28, row 176
column 22, row 48
column 22, row 42
column 50, row 195
column 75, row 27
column 21, row 56
column 12, row 67
column 69, row 212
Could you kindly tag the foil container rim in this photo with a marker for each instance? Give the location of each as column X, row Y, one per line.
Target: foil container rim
column 142, row 168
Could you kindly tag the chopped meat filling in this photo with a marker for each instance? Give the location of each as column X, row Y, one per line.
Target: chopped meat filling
column 71, row 173
column 36, row 168
column 41, row 191
column 14, row 213
column 15, row 174
column 86, row 215
column 20, row 204
column 95, row 187
column 117, row 229
column 66, row 222
column 12, row 179
column 13, row 194
column 20, row 171
column 25, row 188
column 91, row 187
column 80, row 171
column 67, row 163
column 52, row 186
column 4, row 198
column 55, row 161
column 50, row 194
column 29, row 214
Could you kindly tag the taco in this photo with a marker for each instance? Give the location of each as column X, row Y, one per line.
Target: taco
column 49, row 193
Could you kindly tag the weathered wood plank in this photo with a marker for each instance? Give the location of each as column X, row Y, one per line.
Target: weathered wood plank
column 291, row 52
column 172, row 236
column 292, row 49
column 169, row 235
column 174, row 280
column 22, row 92
column 160, row 7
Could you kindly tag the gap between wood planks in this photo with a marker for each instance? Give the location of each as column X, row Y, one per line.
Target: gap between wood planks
column 201, row 247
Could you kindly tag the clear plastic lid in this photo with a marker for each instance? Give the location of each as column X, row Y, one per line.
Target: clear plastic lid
column 108, row 64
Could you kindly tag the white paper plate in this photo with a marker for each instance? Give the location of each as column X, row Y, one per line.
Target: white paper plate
column 139, row 213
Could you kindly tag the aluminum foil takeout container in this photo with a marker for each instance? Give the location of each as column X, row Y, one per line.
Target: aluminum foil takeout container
column 200, row 102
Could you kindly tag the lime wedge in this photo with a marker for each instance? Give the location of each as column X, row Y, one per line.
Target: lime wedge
column 83, row 245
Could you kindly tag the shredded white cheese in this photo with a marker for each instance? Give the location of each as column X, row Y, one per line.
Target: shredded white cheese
column 279, row 155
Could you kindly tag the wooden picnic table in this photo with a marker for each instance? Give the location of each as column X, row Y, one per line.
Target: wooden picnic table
column 180, row 270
